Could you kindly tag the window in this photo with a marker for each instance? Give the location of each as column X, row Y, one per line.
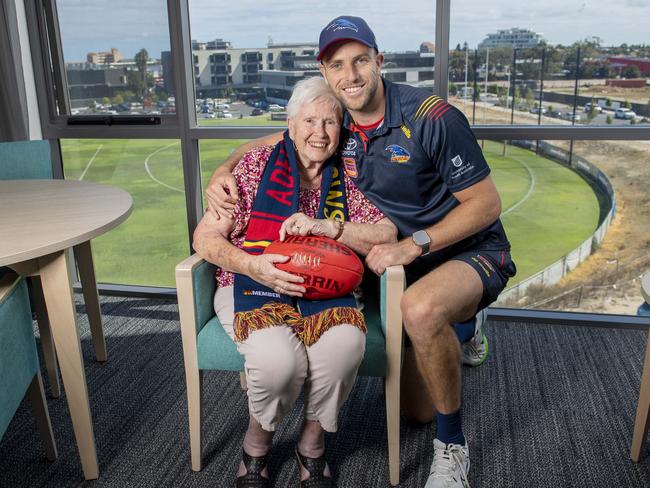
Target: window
column 545, row 70
column 146, row 247
column 113, row 57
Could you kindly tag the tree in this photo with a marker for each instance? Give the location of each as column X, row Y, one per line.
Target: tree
column 627, row 104
column 591, row 115
column 608, row 102
column 632, row 121
column 117, row 99
column 141, row 59
column 528, row 93
column 453, row 89
column 609, row 119
column 106, row 101
column 631, row 71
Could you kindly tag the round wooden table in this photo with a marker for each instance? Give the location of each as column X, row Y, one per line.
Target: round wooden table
column 40, row 220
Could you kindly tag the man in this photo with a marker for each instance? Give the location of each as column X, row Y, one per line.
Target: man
column 415, row 157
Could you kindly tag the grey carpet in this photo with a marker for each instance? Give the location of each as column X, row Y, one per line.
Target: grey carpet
column 552, row 407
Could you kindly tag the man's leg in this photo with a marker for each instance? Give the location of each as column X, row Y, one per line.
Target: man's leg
column 447, row 295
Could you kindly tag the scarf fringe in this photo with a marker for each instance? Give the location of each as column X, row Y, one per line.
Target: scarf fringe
column 269, row 315
column 307, row 329
column 319, row 323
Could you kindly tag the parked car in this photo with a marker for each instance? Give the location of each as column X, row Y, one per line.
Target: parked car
column 535, row 110
column 210, row 115
column 274, row 107
column 570, row 116
column 624, row 113
column 224, row 114
column 555, row 113
column 597, row 108
column 257, row 111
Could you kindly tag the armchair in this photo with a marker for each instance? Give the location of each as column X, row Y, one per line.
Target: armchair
column 206, row 346
column 19, row 371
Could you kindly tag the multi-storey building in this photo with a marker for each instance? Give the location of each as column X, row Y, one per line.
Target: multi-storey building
column 272, row 71
column 104, row 57
column 516, row 38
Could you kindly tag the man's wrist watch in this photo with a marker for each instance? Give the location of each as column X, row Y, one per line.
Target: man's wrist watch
column 422, row 240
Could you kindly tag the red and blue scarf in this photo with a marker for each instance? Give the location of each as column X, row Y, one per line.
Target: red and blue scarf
column 259, row 307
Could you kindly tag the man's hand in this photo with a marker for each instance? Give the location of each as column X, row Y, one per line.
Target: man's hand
column 382, row 256
column 300, row 225
column 222, row 194
column 262, row 269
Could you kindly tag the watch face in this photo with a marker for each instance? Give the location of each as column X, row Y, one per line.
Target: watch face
column 421, row 238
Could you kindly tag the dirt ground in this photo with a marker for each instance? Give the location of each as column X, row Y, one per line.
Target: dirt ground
column 609, row 280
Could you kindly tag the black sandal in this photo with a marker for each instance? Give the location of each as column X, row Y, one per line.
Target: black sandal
column 253, row 478
column 315, row 467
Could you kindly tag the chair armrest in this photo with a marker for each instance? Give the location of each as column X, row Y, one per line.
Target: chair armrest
column 392, row 284
column 195, row 286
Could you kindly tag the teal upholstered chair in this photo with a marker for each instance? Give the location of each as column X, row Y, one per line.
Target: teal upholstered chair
column 25, row 160
column 206, row 346
column 19, row 371
column 28, row 160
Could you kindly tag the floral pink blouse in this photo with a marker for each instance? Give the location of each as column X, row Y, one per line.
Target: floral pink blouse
column 248, row 174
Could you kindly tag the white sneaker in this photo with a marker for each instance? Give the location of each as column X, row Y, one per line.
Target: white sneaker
column 450, row 466
column 475, row 351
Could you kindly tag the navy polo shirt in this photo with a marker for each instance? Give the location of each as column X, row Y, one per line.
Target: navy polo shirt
column 411, row 164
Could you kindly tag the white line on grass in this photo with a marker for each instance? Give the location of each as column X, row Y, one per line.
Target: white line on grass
column 90, row 162
column 533, row 182
column 146, row 166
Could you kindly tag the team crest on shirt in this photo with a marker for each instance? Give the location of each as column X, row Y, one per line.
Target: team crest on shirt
column 350, row 167
column 398, row 154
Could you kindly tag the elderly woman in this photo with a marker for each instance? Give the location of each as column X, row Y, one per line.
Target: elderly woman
column 289, row 343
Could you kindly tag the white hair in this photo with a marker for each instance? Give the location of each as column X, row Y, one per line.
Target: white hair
column 308, row 90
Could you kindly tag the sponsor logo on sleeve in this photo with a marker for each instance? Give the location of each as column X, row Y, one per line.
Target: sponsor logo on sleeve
column 398, row 154
column 461, row 166
column 406, row 130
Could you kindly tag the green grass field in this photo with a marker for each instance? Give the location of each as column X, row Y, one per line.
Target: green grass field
column 548, row 209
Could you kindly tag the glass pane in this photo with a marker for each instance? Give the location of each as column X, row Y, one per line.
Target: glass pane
column 213, row 153
column 145, row 248
column 577, row 218
column 245, row 69
column 538, row 67
column 113, row 54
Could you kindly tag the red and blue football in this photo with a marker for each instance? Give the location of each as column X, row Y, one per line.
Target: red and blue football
column 330, row 269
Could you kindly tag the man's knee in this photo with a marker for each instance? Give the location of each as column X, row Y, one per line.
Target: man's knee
column 422, row 317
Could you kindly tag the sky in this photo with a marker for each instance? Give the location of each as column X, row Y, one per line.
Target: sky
column 97, row 25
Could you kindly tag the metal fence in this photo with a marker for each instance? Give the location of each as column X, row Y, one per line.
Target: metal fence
column 556, row 271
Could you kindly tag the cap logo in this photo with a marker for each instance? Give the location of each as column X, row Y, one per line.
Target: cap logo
column 342, row 24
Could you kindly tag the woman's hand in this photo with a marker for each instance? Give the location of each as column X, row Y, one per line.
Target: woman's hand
column 222, row 194
column 301, row 225
column 262, row 269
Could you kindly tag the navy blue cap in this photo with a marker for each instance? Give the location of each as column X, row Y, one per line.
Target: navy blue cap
column 345, row 28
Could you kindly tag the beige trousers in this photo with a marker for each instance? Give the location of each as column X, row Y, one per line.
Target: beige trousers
column 278, row 365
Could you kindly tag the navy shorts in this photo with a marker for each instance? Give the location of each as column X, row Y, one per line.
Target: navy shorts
column 495, row 267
